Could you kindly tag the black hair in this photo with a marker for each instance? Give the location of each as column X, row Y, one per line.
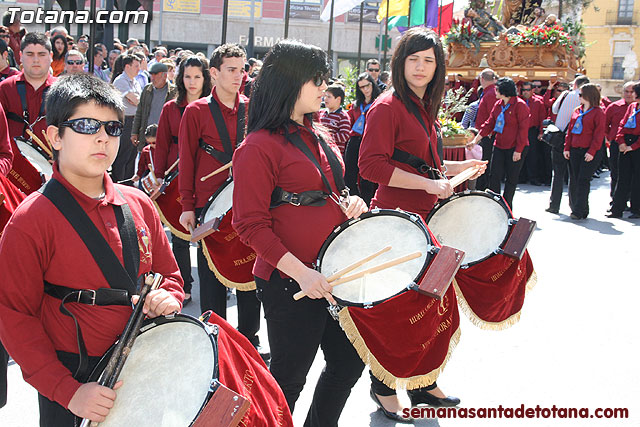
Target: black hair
column 417, row 40
column 287, row 67
column 193, row 61
column 372, row 61
column 506, row 87
column 73, row 90
column 375, row 89
column 636, row 89
column 229, row 50
column 36, row 38
column 337, row 91
column 3, row 46
column 6, row 19
column 151, row 130
column 581, row 81
column 128, row 59
column 118, row 67
column 57, row 55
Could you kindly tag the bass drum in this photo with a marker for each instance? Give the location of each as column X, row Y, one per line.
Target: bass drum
column 29, row 170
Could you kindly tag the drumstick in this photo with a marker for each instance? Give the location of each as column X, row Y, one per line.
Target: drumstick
column 46, row 139
column 464, row 175
column 153, row 175
column 40, row 143
column 217, row 171
column 171, row 167
column 375, row 269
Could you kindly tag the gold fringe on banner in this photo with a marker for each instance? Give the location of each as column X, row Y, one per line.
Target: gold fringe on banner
column 180, row 234
column 492, row 326
column 351, row 330
column 246, row 286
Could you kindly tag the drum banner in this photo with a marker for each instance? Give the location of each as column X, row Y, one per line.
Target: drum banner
column 491, row 293
column 12, row 198
column 243, row 370
column 407, row 340
column 230, row 259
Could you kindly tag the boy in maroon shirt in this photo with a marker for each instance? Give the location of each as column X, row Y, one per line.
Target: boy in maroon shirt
column 44, row 260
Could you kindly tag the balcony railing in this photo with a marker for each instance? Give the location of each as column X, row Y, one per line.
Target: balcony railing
column 612, row 72
column 615, row 18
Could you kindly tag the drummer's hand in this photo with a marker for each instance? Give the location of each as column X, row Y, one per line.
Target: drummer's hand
column 566, row 154
column 158, row 303
column 93, row 401
column 134, row 140
column 588, row 157
column 517, row 156
column 188, row 220
column 473, row 162
column 135, row 179
column 441, row 188
column 357, row 207
column 315, row 285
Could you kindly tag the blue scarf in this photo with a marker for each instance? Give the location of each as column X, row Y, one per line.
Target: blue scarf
column 358, row 126
column 499, row 127
column 577, row 126
column 631, row 121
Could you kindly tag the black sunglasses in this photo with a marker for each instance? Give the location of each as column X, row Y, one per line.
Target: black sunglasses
column 320, row 78
column 88, row 126
column 75, row 62
column 525, row 90
column 373, row 69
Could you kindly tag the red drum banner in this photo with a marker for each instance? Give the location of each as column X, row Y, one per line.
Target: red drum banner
column 407, row 340
column 169, row 209
column 11, row 198
column 491, row 293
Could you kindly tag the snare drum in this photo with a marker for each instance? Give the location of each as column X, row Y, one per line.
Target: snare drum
column 218, row 205
column 36, row 156
column 476, row 222
column 167, row 378
column 372, row 231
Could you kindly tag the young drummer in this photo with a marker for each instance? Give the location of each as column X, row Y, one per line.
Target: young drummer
column 202, row 150
column 147, row 153
column 44, row 260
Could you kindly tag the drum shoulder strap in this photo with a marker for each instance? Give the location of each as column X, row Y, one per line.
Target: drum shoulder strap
column 281, row 197
column 417, row 163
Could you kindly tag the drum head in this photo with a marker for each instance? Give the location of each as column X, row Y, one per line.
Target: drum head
column 166, row 378
column 219, row 204
column 374, row 230
column 474, row 222
column 35, row 158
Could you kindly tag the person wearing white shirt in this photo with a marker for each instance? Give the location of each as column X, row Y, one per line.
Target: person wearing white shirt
column 568, row 102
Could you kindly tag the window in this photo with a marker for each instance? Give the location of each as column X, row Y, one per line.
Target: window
column 617, row 72
column 625, row 12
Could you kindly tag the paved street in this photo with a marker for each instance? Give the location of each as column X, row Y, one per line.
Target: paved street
column 576, row 344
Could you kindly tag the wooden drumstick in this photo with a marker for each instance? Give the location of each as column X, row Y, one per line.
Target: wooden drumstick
column 464, row 175
column 46, row 139
column 40, row 143
column 171, row 167
column 217, row 171
column 375, row 269
column 153, row 175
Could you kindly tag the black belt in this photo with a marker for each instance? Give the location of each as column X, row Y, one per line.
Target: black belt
column 281, row 197
column 102, row 296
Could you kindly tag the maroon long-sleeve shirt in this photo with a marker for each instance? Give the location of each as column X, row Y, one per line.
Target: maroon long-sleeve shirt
column 516, row 125
column 613, row 116
column 266, row 160
column 39, row 244
column 622, row 131
column 166, row 152
column 592, row 134
column 486, row 104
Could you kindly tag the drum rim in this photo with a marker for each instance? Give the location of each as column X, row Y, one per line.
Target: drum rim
column 489, row 194
column 224, row 185
column 161, row 320
column 414, row 218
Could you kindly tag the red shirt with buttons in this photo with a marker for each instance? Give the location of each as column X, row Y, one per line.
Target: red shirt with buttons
column 391, row 125
column 197, row 122
column 622, row 131
column 486, row 104
column 166, row 152
column 613, row 116
column 516, row 125
column 39, row 244
column 592, row 134
column 267, row 160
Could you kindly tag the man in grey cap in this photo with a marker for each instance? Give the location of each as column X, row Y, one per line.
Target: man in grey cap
column 153, row 97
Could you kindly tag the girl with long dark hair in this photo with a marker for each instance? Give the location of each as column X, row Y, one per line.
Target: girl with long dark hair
column 404, row 121
column 59, row 49
column 284, row 154
column 194, row 82
column 367, row 90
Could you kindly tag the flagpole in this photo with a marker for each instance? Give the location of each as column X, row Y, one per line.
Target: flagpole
column 384, row 43
column 360, row 36
column 225, row 13
column 426, row 11
column 409, row 16
column 329, row 51
column 286, row 18
column 440, row 18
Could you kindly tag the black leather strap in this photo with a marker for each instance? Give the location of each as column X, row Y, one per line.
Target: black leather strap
column 21, row 86
column 417, row 163
column 220, row 156
column 281, row 197
column 221, row 126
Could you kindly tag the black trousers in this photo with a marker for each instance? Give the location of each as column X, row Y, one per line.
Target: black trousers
column 560, row 170
column 124, row 165
column 296, row 329
column 503, row 166
column 213, row 296
column 628, row 182
column 183, row 258
column 4, row 365
column 580, row 180
column 52, row 414
column 533, row 163
column 358, row 186
column 487, row 149
column 613, row 165
column 381, row 389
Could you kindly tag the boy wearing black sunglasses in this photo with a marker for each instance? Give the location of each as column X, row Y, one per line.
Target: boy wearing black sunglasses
column 55, row 280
